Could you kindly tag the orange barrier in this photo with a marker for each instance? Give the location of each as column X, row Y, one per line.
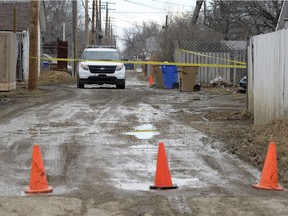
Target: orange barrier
column 163, row 177
column 38, row 180
column 269, row 176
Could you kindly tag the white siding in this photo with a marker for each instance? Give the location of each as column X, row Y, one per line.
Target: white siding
column 26, row 56
column 39, row 49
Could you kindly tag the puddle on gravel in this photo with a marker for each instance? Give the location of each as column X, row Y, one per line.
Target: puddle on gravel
column 146, row 131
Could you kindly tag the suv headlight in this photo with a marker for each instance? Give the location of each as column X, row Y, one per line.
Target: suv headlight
column 119, row 67
column 85, row 67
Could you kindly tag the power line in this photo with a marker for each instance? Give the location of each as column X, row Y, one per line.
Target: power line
column 149, row 6
column 129, row 20
column 137, row 12
column 173, row 3
column 125, row 20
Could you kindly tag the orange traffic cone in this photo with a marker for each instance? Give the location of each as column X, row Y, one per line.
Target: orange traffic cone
column 150, row 80
column 38, row 180
column 162, row 178
column 269, row 176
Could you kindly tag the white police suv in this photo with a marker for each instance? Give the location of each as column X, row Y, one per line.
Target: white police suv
column 100, row 65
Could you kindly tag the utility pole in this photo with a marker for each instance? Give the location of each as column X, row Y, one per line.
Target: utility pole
column 165, row 35
column 93, row 23
column 33, row 47
column 74, row 35
column 64, row 30
column 97, row 22
column 106, row 25
column 112, row 36
column 197, row 11
column 109, row 31
column 86, row 23
column 100, row 24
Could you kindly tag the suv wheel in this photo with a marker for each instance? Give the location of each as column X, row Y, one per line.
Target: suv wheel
column 79, row 84
column 121, row 86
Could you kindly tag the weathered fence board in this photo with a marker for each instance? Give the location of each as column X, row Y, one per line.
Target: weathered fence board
column 268, row 76
column 8, row 50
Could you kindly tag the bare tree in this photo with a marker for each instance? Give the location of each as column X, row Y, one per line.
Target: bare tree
column 238, row 19
column 264, row 14
column 181, row 28
column 225, row 17
column 135, row 38
column 223, row 20
column 58, row 12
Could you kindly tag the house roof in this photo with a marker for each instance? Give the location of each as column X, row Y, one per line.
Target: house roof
column 202, row 46
column 22, row 15
column 236, row 45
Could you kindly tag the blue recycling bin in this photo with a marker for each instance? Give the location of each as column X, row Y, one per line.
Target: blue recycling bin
column 170, row 76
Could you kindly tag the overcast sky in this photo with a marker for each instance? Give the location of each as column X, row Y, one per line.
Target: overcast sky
column 125, row 13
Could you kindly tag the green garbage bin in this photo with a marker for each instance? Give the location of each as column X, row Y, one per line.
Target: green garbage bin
column 187, row 78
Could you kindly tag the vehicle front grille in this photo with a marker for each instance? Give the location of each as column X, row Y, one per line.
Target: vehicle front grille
column 102, row 69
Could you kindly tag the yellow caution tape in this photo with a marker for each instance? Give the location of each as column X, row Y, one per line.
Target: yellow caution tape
column 151, row 63
column 58, row 59
column 200, row 54
column 185, row 64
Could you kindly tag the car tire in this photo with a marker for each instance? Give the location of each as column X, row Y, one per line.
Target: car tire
column 121, row 86
column 79, row 84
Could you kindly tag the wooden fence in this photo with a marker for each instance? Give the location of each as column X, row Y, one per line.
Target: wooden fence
column 8, row 58
column 268, row 76
column 206, row 74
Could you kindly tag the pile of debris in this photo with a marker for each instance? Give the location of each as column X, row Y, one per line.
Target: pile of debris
column 220, row 82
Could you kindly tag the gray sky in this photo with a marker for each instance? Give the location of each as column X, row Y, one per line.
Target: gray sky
column 125, row 13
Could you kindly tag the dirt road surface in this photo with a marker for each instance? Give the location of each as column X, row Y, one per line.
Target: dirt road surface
column 99, row 147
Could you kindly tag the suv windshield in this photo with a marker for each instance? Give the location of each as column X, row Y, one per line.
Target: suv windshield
column 101, row 55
